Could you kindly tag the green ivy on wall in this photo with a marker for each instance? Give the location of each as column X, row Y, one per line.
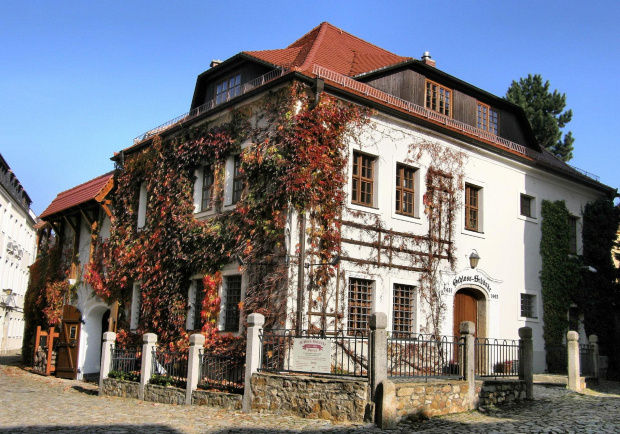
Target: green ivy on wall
column 560, row 273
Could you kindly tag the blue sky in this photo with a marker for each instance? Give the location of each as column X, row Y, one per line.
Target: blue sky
column 79, row 80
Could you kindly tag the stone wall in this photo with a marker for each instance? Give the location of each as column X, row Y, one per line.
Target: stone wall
column 422, row 400
column 434, row 398
column 499, row 392
column 164, row 395
column 228, row 401
column 312, row 397
column 122, row 388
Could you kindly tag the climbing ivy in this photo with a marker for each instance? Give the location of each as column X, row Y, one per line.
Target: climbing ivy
column 295, row 161
column 601, row 293
column 560, row 272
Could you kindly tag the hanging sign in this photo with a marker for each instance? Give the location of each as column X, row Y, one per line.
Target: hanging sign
column 312, row 355
column 470, row 277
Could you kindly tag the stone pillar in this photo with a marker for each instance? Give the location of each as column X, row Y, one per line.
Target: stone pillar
column 595, row 354
column 467, row 330
column 526, row 364
column 378, row 353
column 196, row 343
column 109, row 339
column 386, row 417
column 574, row 380
column 252, row 357
column 150, row 341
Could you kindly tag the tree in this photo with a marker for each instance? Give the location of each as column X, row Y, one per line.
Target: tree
column 545, row 112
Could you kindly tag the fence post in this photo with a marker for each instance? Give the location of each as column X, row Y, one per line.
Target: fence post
column 467, row 330
column 574, row 380
column 196, row 343
column 252, row 357
column 594, row 350
column 109, row 338
column 526, row 362
column 150, row 340
column 378, row 353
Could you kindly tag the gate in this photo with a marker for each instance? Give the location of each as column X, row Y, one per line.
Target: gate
column 68, row 346
column 45, row 351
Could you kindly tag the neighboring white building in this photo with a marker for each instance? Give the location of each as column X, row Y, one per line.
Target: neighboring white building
column 17, row 253
column 78, row 216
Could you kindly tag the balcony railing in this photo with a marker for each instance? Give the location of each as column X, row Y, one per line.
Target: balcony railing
column 245, row 88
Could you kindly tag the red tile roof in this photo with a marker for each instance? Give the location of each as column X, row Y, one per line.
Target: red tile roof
column 331, row 48
column 77, row 195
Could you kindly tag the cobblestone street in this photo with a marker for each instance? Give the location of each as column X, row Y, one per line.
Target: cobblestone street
column 32, row 403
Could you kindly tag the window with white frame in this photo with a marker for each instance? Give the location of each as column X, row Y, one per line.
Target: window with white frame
column 206, row 197
column 237, row 181
column 142, row 205
column 528, row 306
column 359, row 305
column 405, row 190
column 232, row 293
column 363, row 179
column 135, row 306
column 403, row 309
column 473, row 207
column 527, row 206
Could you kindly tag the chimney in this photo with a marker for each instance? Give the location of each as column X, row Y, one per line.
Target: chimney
column 426, row 58
column 215, row 63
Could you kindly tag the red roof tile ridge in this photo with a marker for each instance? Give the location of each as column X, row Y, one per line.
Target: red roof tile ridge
column 77, row 187
column 315, row 47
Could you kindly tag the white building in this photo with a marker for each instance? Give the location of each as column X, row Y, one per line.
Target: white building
column 431, row 135
column 17, row 253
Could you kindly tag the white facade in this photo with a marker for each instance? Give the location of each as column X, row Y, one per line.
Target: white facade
column 507, row 242
column 17, row 253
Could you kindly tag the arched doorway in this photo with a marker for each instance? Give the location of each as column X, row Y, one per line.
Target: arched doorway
column 470, row 305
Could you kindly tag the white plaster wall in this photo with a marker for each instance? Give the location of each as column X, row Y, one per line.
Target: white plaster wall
column 508, row 243
column 16, row 227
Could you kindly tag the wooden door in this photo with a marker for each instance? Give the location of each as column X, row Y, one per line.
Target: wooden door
column 68, row 346
column 465, row 309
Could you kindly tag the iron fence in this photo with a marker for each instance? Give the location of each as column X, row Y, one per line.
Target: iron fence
column 126, row 363
column 225, row 373
column 586, row 360
column 425, row 356
column 127, row 359
column 497, row 357
column 169, row 367
column 284, row 351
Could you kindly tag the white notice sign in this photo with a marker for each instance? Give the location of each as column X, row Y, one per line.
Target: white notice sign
column 312, row 355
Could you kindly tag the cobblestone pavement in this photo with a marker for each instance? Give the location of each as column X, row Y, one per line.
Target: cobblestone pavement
column 32, row 403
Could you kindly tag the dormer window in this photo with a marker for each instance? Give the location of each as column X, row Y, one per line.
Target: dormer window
column 227, row 89
column 438, row 98
column 488, row 118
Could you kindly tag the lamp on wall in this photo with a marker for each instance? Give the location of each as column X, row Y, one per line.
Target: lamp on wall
column 474, row 258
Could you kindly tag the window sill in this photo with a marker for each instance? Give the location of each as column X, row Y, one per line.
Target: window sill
column 527, row 219
column 473, row 233
column 364, row 208
column 407, row 218
column 528, row 319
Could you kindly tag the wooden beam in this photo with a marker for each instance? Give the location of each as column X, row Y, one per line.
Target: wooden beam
column 89, row 218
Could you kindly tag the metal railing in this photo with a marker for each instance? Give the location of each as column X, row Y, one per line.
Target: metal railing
column 348, row 354
column 586, row 360
column 225, row 373
column 408, row 106
column 245, row 88
column 497, row 357
column 127, row 361
column 425, row 356
column 169, row 366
